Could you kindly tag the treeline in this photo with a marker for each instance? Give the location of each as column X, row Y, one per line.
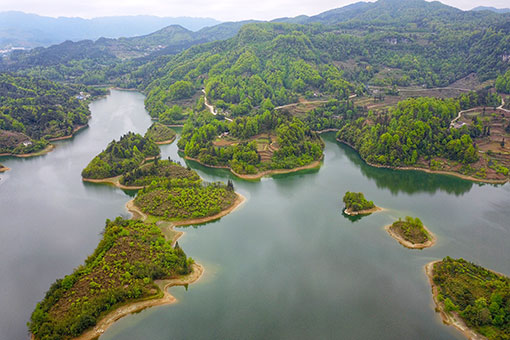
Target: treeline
column 503, row 83
column 479, row 296
column 121, row 156
column 172, row 172
column 129, row 257
column 356, row 201
column 332, row 115
column 417, row 129
column 296, row 144
column 33, row 110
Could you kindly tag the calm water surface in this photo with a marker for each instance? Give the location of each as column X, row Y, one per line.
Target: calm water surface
column 286, row 265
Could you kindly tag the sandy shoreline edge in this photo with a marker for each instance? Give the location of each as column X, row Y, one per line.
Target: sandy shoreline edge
column 4, row 168
column 169, row 141
column 440, row 172
column 363, row 212
column 448, row 318
column 431, row 242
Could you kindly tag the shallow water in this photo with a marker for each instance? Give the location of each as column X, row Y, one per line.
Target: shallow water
column 287, row 264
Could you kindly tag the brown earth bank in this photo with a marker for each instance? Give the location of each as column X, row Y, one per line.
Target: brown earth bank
column 451, row 318
column 76, row 129
column 166, row 141
column 362, row 212
column 46, row 150
column 115, row 181
column 259, row 175
column 4, row 168
column 441, row 172
column 429, row 243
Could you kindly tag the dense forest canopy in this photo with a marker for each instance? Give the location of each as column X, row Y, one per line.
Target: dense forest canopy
column 121, row 156
column 356, row 201
column 33, row 110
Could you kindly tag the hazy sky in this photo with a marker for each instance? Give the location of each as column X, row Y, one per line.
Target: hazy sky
column 219, row 9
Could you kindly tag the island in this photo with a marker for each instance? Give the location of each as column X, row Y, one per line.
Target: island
column 253, row 147
column 125, row 273
column 35, row 111
column 160, row 134
column 357, row 204
column 136, row 260
column 131, row 151
column 411, row 233
column 473, row 299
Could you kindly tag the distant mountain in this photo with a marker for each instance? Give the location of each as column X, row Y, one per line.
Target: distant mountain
column 492, row 9
column 18, row 29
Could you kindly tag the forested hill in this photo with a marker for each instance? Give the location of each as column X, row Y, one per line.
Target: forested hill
column 433, row 45
column 33, row 110
column 97, row 62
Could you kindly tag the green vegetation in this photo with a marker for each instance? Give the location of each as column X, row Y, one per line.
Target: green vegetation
column 503, row 83
column 160, row 133
column 479, row 296
column 411, row 229
column 356, row 201
column 417, row 129
column 120, row 157
column 175, row 174
column 34, row 110
column 187, row 199
column 130, row 256
column 250, row 145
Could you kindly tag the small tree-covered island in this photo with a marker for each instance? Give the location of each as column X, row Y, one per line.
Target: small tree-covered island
column 357, row 204
column 160, row 134
column 411, row 233
column 473, row 299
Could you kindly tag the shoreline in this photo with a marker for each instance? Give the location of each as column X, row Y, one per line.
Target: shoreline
column 430, row 243
column 137, row 306
column 440, row 172
column 75, row 130
column 259, row 175
column 451, row 319
column 115, row 181
column 4, row 169
column 46, row 150
column 168, row 141
column 136, row 211
column 363, row 212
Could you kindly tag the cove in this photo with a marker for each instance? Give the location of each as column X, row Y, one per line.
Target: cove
column 287, row 264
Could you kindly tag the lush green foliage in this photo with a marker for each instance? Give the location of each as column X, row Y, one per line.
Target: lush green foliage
column 130, row 256
column 120, row 157
column 411, row 229
column 187, row 199
column 503, row 82
column 356, row 201
column 332, row 115
column 159, row 171
column 418, row 128
column 160, row 133
column 32, row 110
column 287, row 143
column 481, row 297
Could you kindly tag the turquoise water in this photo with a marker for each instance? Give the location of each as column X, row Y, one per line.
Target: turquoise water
column 285, row 265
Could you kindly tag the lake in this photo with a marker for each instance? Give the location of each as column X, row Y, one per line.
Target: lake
column 286, row 265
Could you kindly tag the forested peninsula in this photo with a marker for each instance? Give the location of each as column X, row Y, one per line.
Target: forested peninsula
column 473, row 299
column 35, row 111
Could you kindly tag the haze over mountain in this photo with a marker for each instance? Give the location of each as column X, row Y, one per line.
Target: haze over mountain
column 492, row 9
column 18, row 29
